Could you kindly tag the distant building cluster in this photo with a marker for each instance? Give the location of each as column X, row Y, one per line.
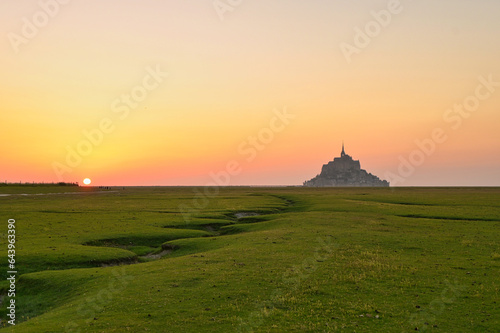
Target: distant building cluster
column 344, row 171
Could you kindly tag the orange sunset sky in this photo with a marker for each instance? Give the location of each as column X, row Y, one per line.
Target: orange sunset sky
column 130, row 92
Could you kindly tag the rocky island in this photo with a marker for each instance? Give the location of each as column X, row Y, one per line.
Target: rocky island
column 344, row 171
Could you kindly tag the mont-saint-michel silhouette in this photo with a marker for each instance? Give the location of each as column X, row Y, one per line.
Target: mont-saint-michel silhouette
column 344, row 171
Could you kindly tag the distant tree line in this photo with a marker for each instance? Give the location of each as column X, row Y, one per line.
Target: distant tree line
column 6, row 183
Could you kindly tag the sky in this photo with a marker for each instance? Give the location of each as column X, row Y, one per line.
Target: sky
column 191, row 92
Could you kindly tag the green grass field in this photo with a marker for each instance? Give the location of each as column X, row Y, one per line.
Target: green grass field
column 253, row 259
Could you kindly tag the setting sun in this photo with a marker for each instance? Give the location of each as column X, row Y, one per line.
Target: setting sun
column 87, row 181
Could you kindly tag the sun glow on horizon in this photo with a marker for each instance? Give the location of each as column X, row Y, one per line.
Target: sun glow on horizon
column 87, row 181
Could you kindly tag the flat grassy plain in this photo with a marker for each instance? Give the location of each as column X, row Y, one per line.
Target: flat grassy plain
column 167, row 259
